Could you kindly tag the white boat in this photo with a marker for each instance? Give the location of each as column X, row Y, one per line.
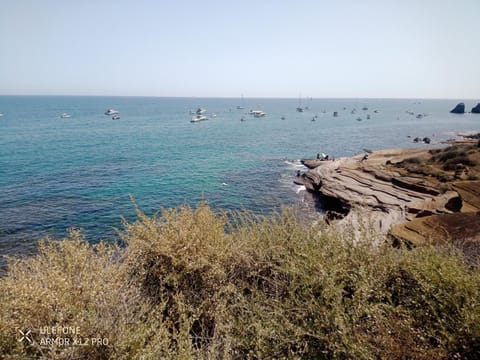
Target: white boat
column 198, row 118
column 1, row 114
column 258, row 113
column 111, row 112
column 241, row 107
column 116, row 117
column 65, row 116
column 201, row 111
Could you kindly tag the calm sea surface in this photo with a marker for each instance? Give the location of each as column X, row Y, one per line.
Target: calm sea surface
column 79, row 172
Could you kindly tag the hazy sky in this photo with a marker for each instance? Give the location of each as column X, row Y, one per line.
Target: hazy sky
column 259, row 48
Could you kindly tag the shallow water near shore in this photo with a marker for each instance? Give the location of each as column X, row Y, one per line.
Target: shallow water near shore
column 79, row 172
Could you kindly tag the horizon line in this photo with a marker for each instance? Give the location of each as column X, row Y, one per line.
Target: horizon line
column 245, row 97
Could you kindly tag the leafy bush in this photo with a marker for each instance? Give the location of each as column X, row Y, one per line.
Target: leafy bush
column 191, row 283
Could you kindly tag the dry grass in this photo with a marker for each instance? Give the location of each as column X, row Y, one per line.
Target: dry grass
column 194, row 284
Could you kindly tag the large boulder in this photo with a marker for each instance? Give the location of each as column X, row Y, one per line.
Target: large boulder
column 459, row 109
column 476, row 109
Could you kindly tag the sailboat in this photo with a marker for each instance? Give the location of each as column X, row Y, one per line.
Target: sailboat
column 300, row 108
column 241, row 107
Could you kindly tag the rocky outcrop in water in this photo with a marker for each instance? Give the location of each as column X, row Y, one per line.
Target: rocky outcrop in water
column 459, row 109
column 476, row 109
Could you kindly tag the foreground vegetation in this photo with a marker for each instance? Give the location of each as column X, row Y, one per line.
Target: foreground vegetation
column 194, row 284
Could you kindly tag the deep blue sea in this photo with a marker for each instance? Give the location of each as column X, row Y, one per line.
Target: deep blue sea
column 79, row 172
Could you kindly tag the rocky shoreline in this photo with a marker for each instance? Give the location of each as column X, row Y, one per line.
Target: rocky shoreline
column 416, row 196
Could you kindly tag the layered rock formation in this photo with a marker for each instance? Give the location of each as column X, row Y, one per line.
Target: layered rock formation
column 397, row 194
column 476, row 109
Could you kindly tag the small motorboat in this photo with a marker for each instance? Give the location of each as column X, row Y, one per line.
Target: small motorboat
column 198, row 118
column 258, row 113
column 65, row 116
column 116, row 117
column 200, row 111
column 111, row 112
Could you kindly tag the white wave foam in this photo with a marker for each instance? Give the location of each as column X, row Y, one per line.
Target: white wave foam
column 296, row 164
column 300, row 188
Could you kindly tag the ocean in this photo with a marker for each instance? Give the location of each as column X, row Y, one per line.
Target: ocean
column 57, row 173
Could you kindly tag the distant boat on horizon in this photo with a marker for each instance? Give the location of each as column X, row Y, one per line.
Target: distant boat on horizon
column 241, row 107
column 299, row 107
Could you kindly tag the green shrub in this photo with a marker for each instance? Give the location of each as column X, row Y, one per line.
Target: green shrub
column 195, row 284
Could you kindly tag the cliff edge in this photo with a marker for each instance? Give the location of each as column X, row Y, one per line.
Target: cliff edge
column 416, row 195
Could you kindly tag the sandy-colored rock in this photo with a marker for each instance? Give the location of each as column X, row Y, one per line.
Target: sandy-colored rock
column 469, row 191
column 454, row 228
column 410, row 204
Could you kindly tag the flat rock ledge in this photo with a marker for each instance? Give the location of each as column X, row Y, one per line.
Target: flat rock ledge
column 411, row 209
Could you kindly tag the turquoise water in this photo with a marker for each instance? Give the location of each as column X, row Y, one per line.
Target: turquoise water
column 79, row 172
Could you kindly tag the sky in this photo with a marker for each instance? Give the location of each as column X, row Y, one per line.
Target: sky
column 258, row 48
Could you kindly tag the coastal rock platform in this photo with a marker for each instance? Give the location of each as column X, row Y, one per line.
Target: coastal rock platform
column 412, row 193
